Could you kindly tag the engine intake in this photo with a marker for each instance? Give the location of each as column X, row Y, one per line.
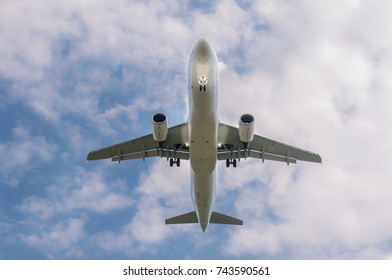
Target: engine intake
column 159, row 127
column 246, row 128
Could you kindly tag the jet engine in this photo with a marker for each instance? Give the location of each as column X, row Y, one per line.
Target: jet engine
column 159, row 127
column 246, row 128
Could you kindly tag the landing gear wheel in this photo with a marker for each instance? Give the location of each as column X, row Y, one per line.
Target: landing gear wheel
column 231, row 161
column 173, row 161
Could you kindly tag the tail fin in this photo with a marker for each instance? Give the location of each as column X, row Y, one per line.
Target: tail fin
column 191, row 218
column 218, row 218
column 187, row 218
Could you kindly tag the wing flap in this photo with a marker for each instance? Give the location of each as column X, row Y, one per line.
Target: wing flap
column 153, row 153
column 256, row 154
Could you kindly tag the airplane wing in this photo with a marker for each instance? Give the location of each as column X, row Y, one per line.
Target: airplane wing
column 145, row 146
column 260, row 147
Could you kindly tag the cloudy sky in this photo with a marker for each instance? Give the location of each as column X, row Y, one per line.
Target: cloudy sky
column 79, row 75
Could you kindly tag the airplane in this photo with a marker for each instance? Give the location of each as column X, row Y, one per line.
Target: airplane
column 203, row 140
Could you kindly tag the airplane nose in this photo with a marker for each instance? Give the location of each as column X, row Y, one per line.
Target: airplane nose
column 202, row 42
column 203, row 49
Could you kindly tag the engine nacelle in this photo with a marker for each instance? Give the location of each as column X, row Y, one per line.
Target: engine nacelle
column 159, row 127
column 246, row 128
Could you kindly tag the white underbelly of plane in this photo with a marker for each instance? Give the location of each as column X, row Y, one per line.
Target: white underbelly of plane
column 203, row 136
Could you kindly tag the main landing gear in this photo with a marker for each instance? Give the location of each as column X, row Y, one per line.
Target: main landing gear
column 231, row 161
column 174, row 161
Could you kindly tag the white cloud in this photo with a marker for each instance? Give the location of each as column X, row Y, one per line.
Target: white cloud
column 27, row 37
column 23, row 153
column 82, row 191
column 62, row 57
column 63, row 236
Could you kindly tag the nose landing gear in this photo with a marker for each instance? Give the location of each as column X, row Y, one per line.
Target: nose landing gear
column 174, row 161
column 231, row 162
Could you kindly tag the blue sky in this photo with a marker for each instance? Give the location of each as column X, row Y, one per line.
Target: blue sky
column 79, row 75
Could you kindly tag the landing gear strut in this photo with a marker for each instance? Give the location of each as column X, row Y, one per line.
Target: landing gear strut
column 231, row 161
column 176, row 161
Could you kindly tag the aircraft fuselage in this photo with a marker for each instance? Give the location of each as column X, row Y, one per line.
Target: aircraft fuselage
column 203, row 124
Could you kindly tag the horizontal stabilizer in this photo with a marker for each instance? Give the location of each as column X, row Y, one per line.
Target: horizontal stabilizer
column 218, row 218
column 187, row 218
column 191, row 218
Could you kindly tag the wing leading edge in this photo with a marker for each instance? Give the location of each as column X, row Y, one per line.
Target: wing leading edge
column 260, row 147
column 145, row 146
